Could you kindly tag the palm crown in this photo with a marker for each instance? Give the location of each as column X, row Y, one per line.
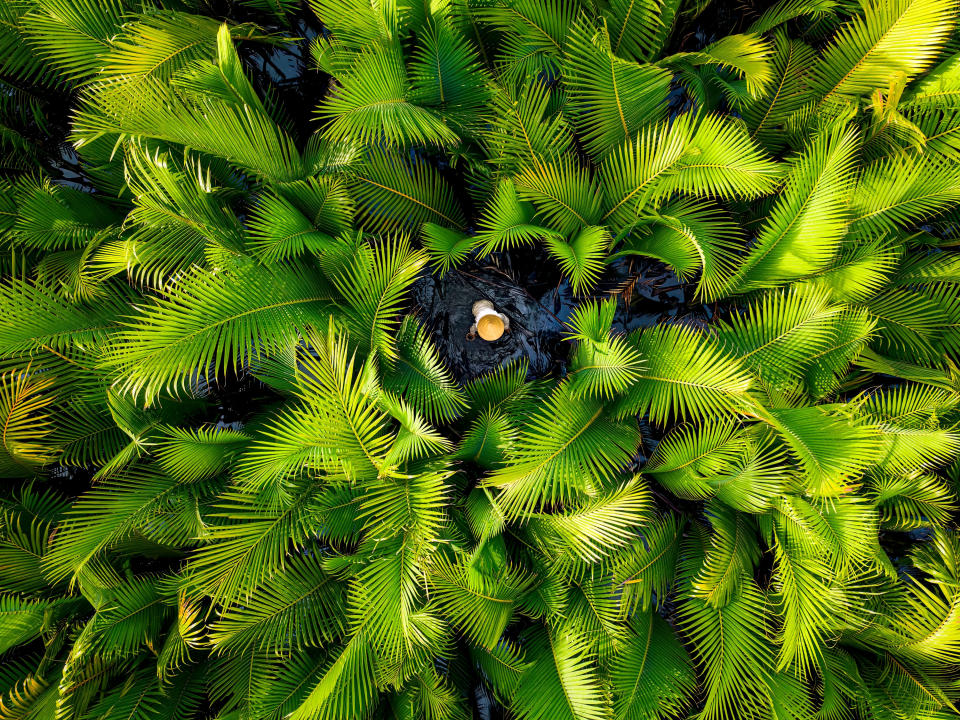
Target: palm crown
column 746, row 512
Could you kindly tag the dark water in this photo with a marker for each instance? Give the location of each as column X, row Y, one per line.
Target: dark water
column 528, row 289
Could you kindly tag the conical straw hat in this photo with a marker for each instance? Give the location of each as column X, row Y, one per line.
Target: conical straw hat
column 490, row 327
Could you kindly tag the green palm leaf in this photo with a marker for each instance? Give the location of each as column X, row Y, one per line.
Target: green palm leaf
column 251, row 545
column 691, row 237
column 729, row 558
column 596, row 528
column 524, row 133
column 136, row 500
column 447, row 248
column 653, row 676
column 446, row 74
column 375, row 103
column 611, row 99
column 806, row 225
column 565, row 196
column 373, row 285
column 582, row 259
column 746, row 56
column 779, row 336
column 647, row 573
column 830, row 460
column 26, row 423
column 709, row 156
column 215, row 321
column 482, row 605
column 687, row 374
column 132, row 616
column 892, row 37
column 553, row 461
column 303, row 609
column 603, row 365
column 898, row 191
column 74, row 36
column 508, row 222
column 768, row 115
column 338, row 426
column 561, row 681
column 347, row 688
column 635, row 27
column 396, row 191
column 734, row 654
column 279, row 231
column 419, row 374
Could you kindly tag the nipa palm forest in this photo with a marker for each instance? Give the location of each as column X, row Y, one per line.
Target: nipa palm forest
column 253, row 469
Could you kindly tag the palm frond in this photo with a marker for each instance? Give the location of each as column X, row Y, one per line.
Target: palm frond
column 647, row 573
column 901, row 192
column 110, row 512
column 189, row 455
column 279, row 231
column 338, row 425
column 707, row 157
column 745, row 56
column 372, row 287
column 832, row 459
column 553, row 461
column 447, row 248
column 806, row 225
column 903, row 37
column 26, row 422
column 302, row 608
column 783, row 334
column 907, row 502
column 635, row 28
column 729, row 558
column 445, row 74
column 768, row 115
column 74, row 37
column 526, row 133
column 211, row 322
column 160, row 45
column 786, row 10
column 651, row 684
column 566, row 198
column 603, row 365
column 508, row 222
column 561, row 681
column 687, row 374
column 53, row 217
column 611, row 99
column 346, row 689
column 535, row 35
column 582, row 258
column 133, row 615
column 35, row 317
column 734, row 654
column 690, row 236
column 808, row 605
column 396, row 191
column 594, row 529
column 149, row 108
column 250, row 546
column 418, row 373
column 374, row 103
column 481, row 605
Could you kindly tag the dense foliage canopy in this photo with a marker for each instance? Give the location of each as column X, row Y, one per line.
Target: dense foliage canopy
column 241, row 481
